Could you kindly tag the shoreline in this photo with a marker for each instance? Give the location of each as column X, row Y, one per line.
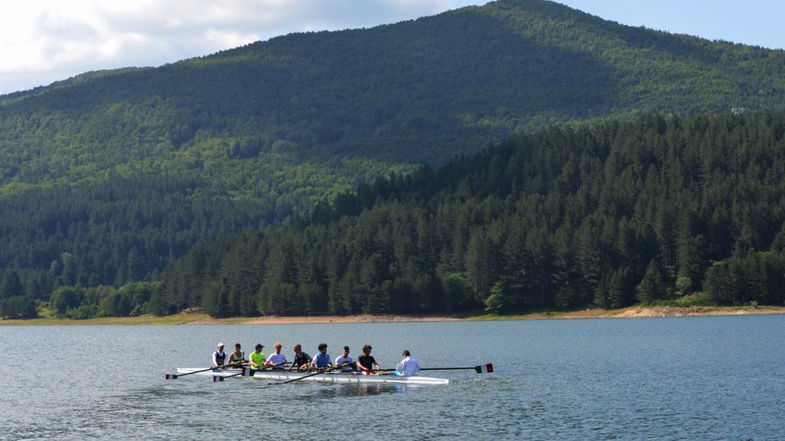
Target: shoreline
column 204, row 319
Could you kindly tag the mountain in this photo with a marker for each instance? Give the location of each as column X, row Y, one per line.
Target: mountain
column 107, row 176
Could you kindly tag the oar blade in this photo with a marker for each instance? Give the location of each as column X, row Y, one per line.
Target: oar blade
column 171, row 376
column 484, row 369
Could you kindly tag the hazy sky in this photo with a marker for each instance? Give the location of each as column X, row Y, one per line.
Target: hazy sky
column 42, row 41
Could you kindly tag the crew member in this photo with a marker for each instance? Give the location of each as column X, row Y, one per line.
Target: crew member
column 345, row 361
column 219, row 357
column 322, row 360
column 237, row 358
column 366, row 363
column 408, row 367
column 276, row 360
column 301, row 360
column 257, row 359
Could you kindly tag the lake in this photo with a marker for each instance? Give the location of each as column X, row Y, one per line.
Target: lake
column 659, row 378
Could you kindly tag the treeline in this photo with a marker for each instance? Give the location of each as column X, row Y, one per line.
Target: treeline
column 79, row 303
column 657, row 209
column 76, row 301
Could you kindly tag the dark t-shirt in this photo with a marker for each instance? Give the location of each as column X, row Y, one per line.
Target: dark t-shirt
column 367, row 361
column 301, row 359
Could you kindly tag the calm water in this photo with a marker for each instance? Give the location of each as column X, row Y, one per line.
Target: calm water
column 666, row 378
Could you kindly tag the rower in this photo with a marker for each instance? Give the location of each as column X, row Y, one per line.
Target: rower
column 366, row 362
column 257, row 359
column 276, row 360
column 322, row 359
column 408, row 367
column 345, row 361
column 219, row 357
column 237, row 358
column 301, row 359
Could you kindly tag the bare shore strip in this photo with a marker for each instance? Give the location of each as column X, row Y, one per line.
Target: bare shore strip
column 204, row 319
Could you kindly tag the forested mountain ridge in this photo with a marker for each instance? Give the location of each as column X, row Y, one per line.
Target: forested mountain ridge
column 94, row 169
column 661, row 208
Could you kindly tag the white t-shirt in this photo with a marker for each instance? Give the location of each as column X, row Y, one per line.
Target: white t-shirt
column 276, row 359
column 408, row 367
column 341, row 360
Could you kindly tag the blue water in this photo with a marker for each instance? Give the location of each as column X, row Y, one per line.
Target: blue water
column 662, row 378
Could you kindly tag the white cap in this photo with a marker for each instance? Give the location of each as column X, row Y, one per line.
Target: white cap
column 220, row 344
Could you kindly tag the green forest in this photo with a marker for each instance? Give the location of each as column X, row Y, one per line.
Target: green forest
column 128, row 176
column 659, row 209
column 609, row 215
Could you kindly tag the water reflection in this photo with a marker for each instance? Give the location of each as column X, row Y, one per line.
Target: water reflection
column 358, row 390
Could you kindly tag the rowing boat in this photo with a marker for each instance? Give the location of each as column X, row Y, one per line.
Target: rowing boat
column 346, row 378
column 327, row 377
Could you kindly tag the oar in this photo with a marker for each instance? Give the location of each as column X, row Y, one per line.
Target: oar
column 483, row 368
column 175, row 376
column 310, row 375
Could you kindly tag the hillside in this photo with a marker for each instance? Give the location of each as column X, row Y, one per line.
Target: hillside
column 107, row 176
column 690, row 211
column 660, row 210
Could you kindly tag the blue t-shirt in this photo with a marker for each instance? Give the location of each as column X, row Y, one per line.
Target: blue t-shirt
column 321, row 360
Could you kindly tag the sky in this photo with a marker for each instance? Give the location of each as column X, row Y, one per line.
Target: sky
column 42, row 41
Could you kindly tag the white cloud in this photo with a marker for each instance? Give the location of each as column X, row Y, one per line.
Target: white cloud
column 228, row 39
column 46, row 40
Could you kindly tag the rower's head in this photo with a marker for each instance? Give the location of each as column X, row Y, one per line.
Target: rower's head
column 323, row 348
column 367, row 349
column 277, row 346
column 237, row 347
column 346, row 350
column 259, row 347
column 406, row 353
column 298, row 348
column 220, row 347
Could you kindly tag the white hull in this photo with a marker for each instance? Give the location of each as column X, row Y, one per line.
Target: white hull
column 327, row 377
column 340, row 378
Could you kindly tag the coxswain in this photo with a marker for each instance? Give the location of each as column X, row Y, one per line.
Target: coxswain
column 257, row 359
column 276, row 360
column 366, row 363
column 237, row 358
column 345, row 361
column 408, row 367
column 322, row 360
column 219, row 357
column 301, row 360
